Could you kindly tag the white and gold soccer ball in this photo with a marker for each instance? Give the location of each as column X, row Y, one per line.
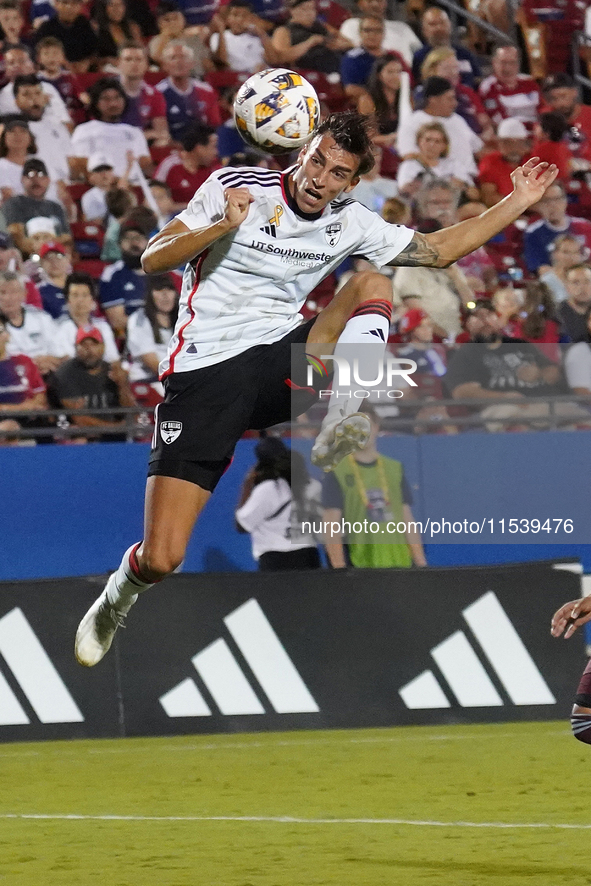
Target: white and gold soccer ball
column 276, row 111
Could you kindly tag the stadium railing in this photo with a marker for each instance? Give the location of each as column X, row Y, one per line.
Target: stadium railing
column 136, row 423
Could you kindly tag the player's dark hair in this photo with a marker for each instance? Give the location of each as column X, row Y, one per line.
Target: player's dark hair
column 77, row 278
column 97, row 89
column 25, row 80
column 353, row 133
column 158, row 283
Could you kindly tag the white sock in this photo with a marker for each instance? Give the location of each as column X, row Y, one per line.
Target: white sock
column 124, row 586
column 368, row 326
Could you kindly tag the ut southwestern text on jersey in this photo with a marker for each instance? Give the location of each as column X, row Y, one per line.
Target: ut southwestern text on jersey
column 292, row 256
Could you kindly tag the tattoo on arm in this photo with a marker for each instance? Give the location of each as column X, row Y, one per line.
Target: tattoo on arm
column 418, row 254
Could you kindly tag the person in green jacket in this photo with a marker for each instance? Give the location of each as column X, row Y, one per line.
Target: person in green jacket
column 370, row 487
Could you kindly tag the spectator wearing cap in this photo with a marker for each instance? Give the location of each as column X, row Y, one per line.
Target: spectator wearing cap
column 106, row 134
column 17, row 143
column 19, row 210
column 171, row 26
column 32, row 332
column 52, row 136
column 17, row 63
column 436, row 30
column 562, row 95
column 307, row 43
column 395, row 36
column 184, row 172
column 11, row 260
column 555, row 220
column 75, row 33
column 123, row 284
column 440, row 107
column 241, row 43
column 87, row 381
column 495, row 169
column 55, row 266
column 99, row 171
column 187, row 100
column 146, row 107
column 81, row 305
column 21, row 386
column 508, row 94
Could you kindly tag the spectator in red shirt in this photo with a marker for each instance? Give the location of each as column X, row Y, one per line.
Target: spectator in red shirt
column 146, row 107
column 186, row 171
column 562, row 95
column 507, row 93
column 550, row 143
column 495, row 168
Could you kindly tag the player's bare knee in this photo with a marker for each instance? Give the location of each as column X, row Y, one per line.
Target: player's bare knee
column 157, row 564
column 371, row 285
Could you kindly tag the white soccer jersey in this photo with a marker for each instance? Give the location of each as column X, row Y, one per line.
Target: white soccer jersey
column 65, row 338
column 248, row 287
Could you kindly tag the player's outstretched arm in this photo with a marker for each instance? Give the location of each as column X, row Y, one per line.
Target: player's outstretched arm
column 176, row 244
column 441, row 248
column 571, row 616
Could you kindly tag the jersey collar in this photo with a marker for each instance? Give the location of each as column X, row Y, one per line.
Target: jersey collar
column 307, row 216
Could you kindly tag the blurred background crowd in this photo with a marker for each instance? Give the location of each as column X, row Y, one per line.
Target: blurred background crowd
column 114, row 112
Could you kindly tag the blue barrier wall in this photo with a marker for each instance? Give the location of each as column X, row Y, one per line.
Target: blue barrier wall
column 72, row 510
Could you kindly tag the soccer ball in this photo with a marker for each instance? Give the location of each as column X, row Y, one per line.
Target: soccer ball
column 276, row 111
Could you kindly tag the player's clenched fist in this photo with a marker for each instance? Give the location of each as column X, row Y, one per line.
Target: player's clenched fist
column 238, row 201
column 571, row 616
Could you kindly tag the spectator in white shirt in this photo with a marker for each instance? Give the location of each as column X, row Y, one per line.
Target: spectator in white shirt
column 101, row 176
column 432, row 160
column 398, row 37
column 243, row 45
column 107, row 135
column 52, row 137
column 18, row 62
column 440, row 105
column 150, row 329
column 80, row 296
column 32, row 332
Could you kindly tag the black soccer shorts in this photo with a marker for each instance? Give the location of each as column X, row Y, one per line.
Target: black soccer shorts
column 206, row 411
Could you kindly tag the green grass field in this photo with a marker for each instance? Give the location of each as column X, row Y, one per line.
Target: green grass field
column 457, row 806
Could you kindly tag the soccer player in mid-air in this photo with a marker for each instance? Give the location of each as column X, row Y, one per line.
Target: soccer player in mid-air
column 255, row 242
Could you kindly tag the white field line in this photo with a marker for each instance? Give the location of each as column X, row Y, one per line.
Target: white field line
column 134, row 749
column 290, row 820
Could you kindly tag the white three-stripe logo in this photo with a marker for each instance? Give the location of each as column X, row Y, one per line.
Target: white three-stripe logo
column 466, row 676
column 36, row 675
column 227, row 684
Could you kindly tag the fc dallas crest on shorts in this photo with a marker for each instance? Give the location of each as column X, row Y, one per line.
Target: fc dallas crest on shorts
column 170, row 430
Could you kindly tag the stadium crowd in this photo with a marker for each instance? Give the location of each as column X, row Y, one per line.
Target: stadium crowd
column 114, row 112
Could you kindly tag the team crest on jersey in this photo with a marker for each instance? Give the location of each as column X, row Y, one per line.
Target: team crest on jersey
column 333, row 233
column 170, row 430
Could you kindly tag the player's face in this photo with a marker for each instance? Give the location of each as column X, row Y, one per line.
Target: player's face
column 323, row 172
